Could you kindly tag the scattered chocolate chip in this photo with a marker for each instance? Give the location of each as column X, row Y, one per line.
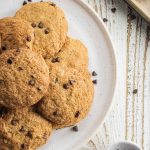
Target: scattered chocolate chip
column 22, row 129
column 94, row 81
column 20, row 68
column 72, row 82
column 33, row 25
column 135, row 91
column 75, row 128
column 5, row 140
column 10, row 60
column 40, row 25
column 28, row 38
column 54, row 60
column 4, row 48
column 46, row 31
column 55, row 113
column 77, row 114
column 94, row 73
column 29, row 134
column 66, row 86
column 32, row 82
column 29, row 0
column 24, row 3
column 2, row 81
column 53, row 4
column 113, row 10
column 14, row 122
column 105, row 20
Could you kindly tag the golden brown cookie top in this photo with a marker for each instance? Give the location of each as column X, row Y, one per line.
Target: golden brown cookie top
column 24, row 78
column 23, row 129
column 69, row 97
column 49, row 24
column 72, row 54
column 15, row 33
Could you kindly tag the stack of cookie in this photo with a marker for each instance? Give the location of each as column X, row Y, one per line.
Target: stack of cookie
column 44, row 80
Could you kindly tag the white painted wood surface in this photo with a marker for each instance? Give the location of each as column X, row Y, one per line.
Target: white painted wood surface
column 130, row 116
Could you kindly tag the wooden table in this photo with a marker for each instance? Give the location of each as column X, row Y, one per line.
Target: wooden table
column 130, row 116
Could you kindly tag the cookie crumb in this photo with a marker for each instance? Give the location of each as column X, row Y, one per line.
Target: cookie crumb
column 94, row 81
column 75, row 128
column 94, row 73
column 24, row 3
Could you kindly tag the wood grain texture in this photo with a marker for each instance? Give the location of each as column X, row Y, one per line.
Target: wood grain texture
column 130, row 116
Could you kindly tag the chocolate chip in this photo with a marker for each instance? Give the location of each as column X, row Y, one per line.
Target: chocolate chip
column 113, row 10
column 5, row 140
column 41, row 1
column 46, row 31
column 94, row 73
column 53, row 4
column 28, row 38
column 132, row 16
column 94, row 81
column 54, row 60
column 33, row 25
column 20, row 68
column 77, row 114
column 2, row 81
column 10, row 61
column 17, row 50
column 22, row 146
column 135, row 91
column 72, row 82
column 3, row 111
column 32, row 82
column 105, row 20
column 29, row 0
column 14, row 122
column 75, row 128
column 24, row 3
column 39, row 88
column 66, row 86
column 4, row 48
column 29, row 134
column 40, row 25
column 55, row 113
column 22, row 129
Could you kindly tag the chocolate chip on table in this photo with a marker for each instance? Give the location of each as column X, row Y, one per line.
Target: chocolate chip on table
column 29, row 134
column 54, row 60
column 46, row 31
column 94, row 81
column 10, row 61
column 32, row 82
column 55, row 113
column 14, row 122
column 75, row 128
column 33, row 25
column 28, row 38
column 22, row 129
column 113, row 10
column 24, row 3
column 66, row 86
column 135, row 91
column 77, row 114
column 94, row 73
column 41, row 25
column 105, row 20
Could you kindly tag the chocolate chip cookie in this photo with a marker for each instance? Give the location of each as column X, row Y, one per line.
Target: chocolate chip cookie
column 15, row 33
column 69, row 97
column 49, row 24
column 24, row 78
column 72, row 54
column 23, row 130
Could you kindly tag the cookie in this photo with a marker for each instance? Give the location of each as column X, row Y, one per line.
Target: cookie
column 23, row 130
column 49, row 24
column 15, row 33
column 72, row 54
column 24, row 78
column 69, row 97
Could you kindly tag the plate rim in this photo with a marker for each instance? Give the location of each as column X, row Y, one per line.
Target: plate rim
column 109, row 38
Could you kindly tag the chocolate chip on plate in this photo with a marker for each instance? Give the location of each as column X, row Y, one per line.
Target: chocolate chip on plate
column 94, row 73
column 113, row 10
column 24, row 3
column 75, row 128
column 94, row 81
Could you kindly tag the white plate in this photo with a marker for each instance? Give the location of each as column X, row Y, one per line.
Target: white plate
column 85, row 25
